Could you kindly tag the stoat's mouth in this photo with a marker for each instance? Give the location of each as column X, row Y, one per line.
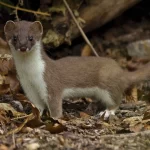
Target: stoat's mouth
column 23, row 49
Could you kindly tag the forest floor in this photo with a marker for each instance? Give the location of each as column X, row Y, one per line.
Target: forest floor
column 127, row 130
column 82, row 128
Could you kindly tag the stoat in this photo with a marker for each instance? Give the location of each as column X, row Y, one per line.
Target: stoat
column 46, row 82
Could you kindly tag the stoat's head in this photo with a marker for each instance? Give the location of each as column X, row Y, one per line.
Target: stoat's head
column 23, row 35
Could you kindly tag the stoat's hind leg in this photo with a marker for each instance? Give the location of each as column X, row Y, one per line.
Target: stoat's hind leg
column 110, row 104
column 106, row 114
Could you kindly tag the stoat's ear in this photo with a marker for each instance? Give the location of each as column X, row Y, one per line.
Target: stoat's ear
column 37, row 27
column 9, row 26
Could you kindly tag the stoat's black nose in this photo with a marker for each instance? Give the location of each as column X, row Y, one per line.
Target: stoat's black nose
column 23, row 49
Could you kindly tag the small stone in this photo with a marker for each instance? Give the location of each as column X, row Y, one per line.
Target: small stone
column 33, row 146
column 139, row 48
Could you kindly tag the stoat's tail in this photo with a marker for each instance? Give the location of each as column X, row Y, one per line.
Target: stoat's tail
column 142, row 74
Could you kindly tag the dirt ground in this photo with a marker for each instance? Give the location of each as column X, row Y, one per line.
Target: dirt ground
column 83, row 128
column 127, row 130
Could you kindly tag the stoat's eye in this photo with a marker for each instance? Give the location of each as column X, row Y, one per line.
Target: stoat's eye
column 30, row 38
column 14, row 38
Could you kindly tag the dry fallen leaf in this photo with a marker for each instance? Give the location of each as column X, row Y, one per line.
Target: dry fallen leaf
column 86, row 51
column 8, row 79
column 24, row 101
column 137, row 127
column 17, row 119
column 36, row 120
column 55, row 127
column 4, row 89
column 3, row 117
column 84, row 115
column 21, row 125
column 26, row 130
column 4, row 48
column 101, row 124
column 132, row 95
column 137, row 124
column 13, row 83
column 3, row 147
column 6, row 64
column 8, row 108
column 133, row 120
column 33, row 146
column 86, row 126
column 146, row 115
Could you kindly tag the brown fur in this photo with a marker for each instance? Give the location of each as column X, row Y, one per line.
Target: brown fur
column 90, row 72
column 78, row 72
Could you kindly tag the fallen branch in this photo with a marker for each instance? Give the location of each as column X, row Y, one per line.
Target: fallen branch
column 80, row 29
column 25, row 10
column 95, row 14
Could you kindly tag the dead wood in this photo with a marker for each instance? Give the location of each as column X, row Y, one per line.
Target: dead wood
column 90, row 16
column 99, row 12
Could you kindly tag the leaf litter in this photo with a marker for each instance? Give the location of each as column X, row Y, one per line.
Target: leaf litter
column 81, row 128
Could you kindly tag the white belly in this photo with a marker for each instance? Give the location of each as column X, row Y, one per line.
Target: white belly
column 95, row 92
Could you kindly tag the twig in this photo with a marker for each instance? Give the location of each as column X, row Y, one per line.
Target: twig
column 80, row 29
column 21, row 117
column 13, row 139
column 16, row 130
column 25, row 10
column 16, row 12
